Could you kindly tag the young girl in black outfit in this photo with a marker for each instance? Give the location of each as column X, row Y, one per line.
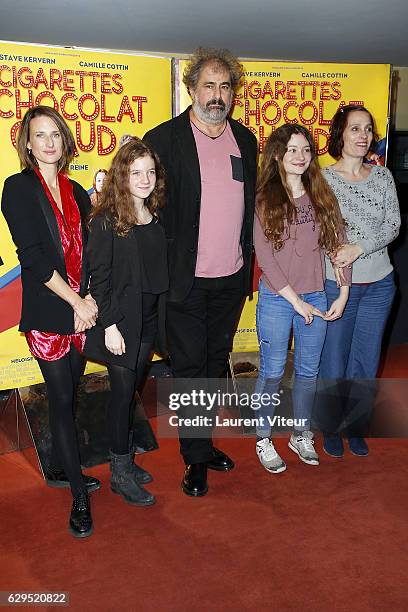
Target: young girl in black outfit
column 128, row 266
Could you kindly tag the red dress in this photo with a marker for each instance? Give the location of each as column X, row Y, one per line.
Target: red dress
column 52, row 346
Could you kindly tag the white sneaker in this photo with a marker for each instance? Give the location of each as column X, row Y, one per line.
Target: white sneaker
column 302, row 444
column 268, row 456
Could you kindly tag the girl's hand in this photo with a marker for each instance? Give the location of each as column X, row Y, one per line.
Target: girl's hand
column 336, row 309
column 346, row 255
column 114, row 341
column 307, row 311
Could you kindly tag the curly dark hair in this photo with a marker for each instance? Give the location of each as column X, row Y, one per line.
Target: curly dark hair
column 338, row 125
column 274, row 197
column 115, row 199
column 220, row 57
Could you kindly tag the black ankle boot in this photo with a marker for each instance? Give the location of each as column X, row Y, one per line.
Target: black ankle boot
column 58, row 479
column 124, row 481
column 142, row 476
column 80, row 521
column 194, row 482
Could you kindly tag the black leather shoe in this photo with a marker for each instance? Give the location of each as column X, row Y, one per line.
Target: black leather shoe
column 220, row 462
column 194, row 482
column 80, row 521
column 59, row 480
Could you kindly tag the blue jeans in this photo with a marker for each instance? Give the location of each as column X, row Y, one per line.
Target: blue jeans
column 352, row 351
column 275, row 318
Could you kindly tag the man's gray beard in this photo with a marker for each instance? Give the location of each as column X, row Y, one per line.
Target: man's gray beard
column 214, row 117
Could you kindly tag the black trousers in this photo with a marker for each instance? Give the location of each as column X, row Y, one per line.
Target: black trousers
column 200, row 331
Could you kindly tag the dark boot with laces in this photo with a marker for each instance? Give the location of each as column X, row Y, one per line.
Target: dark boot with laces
column 80, row 521
column 124, row 482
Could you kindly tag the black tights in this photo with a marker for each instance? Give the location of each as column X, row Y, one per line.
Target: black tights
column 62, row 378
column 124, row 382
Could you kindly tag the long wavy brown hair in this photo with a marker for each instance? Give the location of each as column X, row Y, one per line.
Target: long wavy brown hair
column 115, row 199
column 275, row 203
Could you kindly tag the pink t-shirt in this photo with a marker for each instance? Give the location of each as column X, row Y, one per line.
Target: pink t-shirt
column 222, row 204
column 300, row 262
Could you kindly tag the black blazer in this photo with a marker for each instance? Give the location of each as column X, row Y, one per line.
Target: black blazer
column 174, row 143
column 116, row 286
column 34, row 230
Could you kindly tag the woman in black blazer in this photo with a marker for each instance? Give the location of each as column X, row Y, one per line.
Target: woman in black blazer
column 128, row 267
column 46, row 214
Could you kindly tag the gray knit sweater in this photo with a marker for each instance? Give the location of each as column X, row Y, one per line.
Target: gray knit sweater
column 371, row 211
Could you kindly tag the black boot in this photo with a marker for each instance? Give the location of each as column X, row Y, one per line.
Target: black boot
column 194, row 482
column 124, row 483
column 80, row 521
column 142, row 476
column 59, row 480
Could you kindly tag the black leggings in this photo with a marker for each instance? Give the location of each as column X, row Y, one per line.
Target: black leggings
column 62, row 378
column 124, row 382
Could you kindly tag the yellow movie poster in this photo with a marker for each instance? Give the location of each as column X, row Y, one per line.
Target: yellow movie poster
column 103, row 96
column 274, row 93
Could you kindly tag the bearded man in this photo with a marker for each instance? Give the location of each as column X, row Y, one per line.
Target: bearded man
column 210, row 163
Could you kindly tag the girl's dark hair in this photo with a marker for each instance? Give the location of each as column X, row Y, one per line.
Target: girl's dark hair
column 275, row 203
column 115, row 200
column 338, row 125
column 28, row 160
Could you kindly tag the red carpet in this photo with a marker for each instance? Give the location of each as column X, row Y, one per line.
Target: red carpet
column 319, row 539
